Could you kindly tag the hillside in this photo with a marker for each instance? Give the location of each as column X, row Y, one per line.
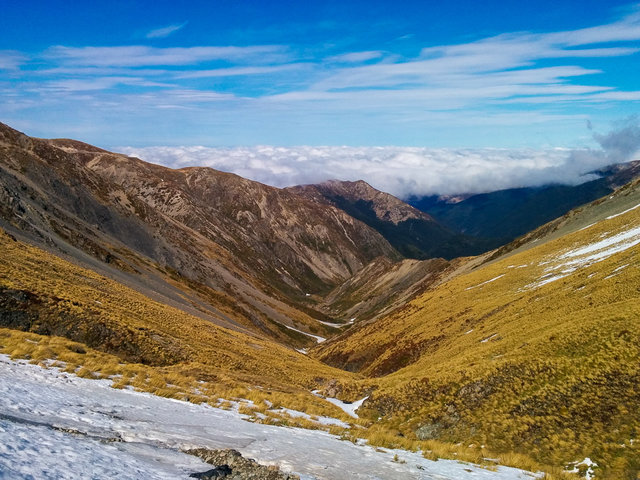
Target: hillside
column 535, row 351
column 412, row 232
column 232, row 251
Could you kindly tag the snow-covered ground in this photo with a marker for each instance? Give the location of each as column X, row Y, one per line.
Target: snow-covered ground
column 347, row 407
column 56, row 425
column 484, row 283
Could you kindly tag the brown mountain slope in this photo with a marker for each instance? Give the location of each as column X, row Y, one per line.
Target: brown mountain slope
column 233, row 251
column 413, row 233
column 318, row 246
column 386, row 207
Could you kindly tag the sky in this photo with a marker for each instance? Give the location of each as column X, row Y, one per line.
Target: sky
column 466, row 78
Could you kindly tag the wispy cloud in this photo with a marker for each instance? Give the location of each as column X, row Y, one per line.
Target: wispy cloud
column 166, row 31
column 240, row 71
column 356, row 57
column 508, row 64
column 144, row 56
column 99, row 84
column 11, row 60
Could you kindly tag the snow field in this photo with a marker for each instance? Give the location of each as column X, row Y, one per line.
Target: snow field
column 55, row 425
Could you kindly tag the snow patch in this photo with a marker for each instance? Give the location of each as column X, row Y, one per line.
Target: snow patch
column 616, row 271
column 588, row 226
column 568, row 262
column 348, row 408
column 622, row 213
column 150, row 432
column 319, row 419
column 318, row 338
column 484, row 283
column 334, row 325
column 489, row 338
column 587, row 462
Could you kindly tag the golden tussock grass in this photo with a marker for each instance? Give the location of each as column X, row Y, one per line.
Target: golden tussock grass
column 543, row 374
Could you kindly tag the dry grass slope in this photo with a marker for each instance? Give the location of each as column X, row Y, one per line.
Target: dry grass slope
column 56, row 314
column 536, row 353
column 46, row 295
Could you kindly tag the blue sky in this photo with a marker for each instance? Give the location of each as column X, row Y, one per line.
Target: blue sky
column 503, row 74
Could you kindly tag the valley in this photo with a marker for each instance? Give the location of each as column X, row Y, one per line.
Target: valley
column 219, row 292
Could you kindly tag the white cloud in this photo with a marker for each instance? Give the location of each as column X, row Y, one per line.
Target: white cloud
column 507, row 60
column 143, row 56
column 626, row 29
column 238, row 71
column 165, row 31
column 356, row 57
column 402, row 171
column 11, row 60
column 405, row 171
column 98, row 84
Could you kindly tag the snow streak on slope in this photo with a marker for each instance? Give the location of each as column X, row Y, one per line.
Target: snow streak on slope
column 586, row 255
column 347, row 407
column 131, row 435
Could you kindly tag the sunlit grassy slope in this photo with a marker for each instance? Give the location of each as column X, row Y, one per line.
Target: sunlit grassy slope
column 537, row 352
column 44, row 294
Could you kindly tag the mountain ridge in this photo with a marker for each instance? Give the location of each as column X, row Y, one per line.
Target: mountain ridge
column 413, row 233
column 504, row 215
column 191, row 230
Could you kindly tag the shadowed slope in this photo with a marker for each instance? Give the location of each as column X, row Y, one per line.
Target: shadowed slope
column 413, row 233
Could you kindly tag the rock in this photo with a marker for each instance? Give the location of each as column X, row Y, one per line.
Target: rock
column 333, row 388
column 221, row 471
column 429, row 431
column 239, row 468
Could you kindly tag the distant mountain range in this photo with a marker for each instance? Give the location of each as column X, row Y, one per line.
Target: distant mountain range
column 463, row 225
column 504, row 215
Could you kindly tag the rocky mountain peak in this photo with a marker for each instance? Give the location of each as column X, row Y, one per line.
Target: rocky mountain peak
column 386, row 207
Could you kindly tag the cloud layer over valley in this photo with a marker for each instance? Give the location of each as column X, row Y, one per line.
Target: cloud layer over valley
column 406, row 171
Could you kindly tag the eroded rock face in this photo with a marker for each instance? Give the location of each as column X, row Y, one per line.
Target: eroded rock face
column 232, row 465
